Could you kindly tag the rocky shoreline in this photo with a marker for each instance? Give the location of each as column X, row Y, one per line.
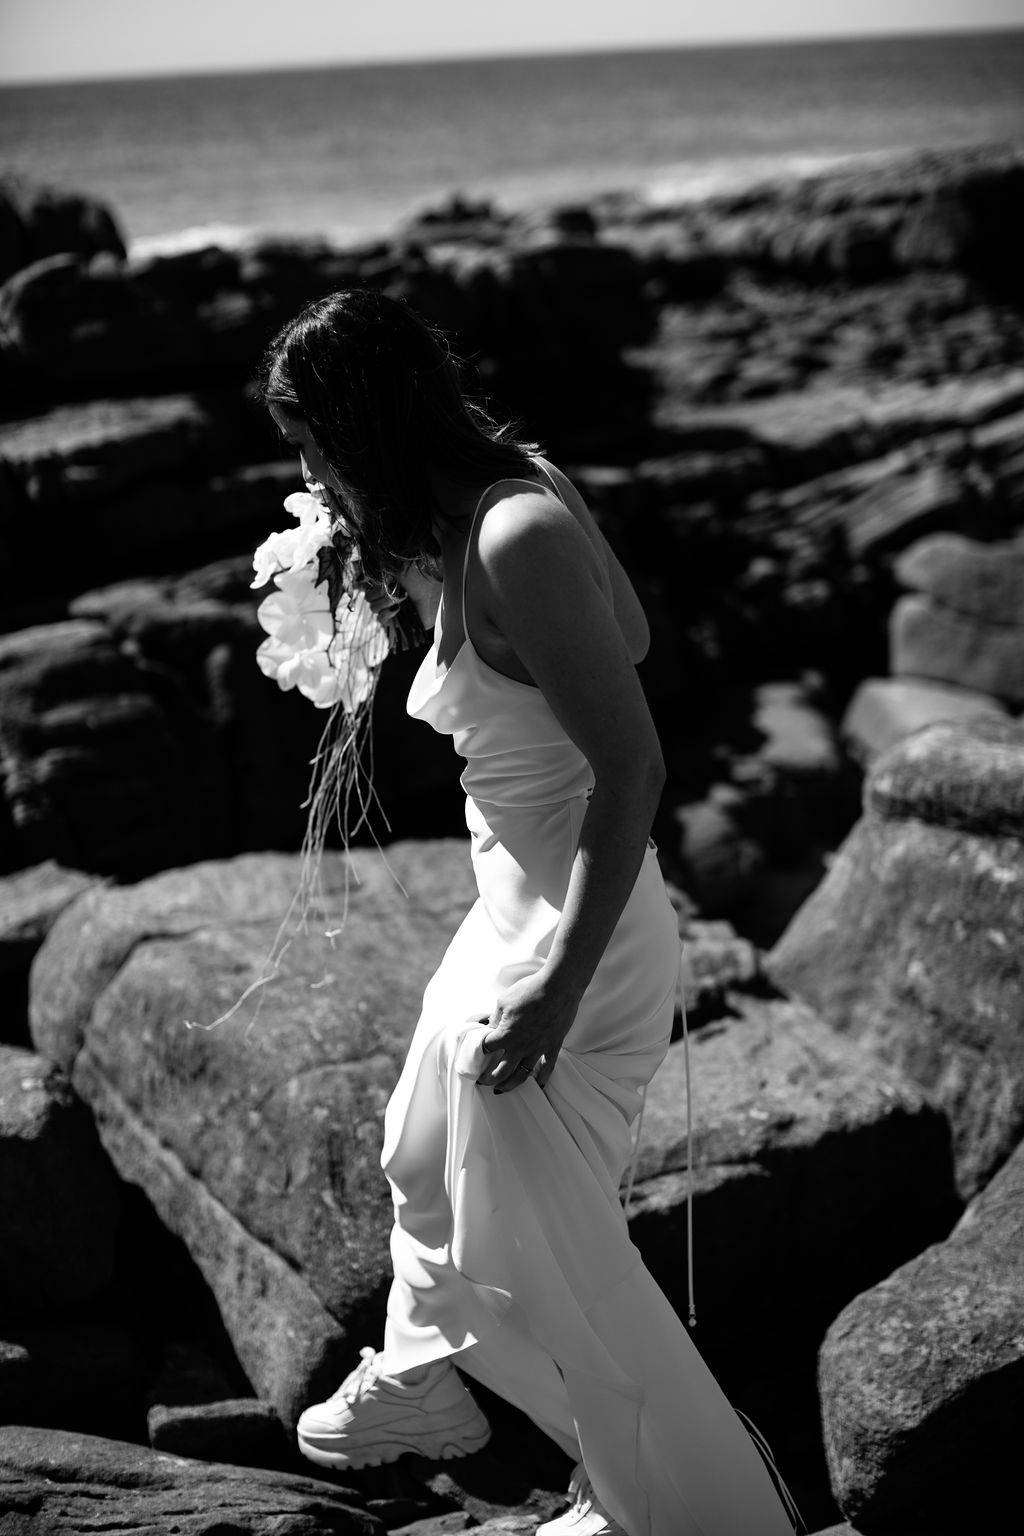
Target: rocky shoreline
column 798, row 413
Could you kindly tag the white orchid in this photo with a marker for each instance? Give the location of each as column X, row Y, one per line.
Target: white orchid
column 298, row 613
column 330, row 656
column 292, row 548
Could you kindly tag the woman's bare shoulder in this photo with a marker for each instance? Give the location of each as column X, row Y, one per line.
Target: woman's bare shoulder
column 626, row 604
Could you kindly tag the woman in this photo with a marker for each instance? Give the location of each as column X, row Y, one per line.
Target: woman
column 556, row 995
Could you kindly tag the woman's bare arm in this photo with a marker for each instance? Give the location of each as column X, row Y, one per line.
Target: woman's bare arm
column 543, row 588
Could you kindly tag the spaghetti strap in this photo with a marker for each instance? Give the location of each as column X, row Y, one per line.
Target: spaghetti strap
column 545, row 471
column 469, row 538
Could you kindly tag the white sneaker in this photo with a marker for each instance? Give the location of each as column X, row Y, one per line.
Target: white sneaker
column 586, row 1516
column 374, row 1418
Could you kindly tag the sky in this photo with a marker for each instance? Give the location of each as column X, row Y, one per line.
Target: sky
column 77, row 39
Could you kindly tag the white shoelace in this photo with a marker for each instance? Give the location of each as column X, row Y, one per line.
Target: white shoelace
column 364, row 1375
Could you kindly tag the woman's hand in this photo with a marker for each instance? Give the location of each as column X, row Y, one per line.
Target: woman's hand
column 529, row 1024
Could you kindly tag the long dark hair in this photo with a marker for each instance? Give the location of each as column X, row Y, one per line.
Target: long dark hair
column 381, row 391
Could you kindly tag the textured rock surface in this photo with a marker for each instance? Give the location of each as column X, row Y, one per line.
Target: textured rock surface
column 242, row 1431
column 811, row 1158
column 927, row 639
column 885, row 709
column 109, row 765
column 59, row 1205
column 716, row 961
column 911, row 944
column 30, row 902
column 262, row 1154
column 53, row 1480
column 38, row 220
column 922, row 1379
column 982, row 580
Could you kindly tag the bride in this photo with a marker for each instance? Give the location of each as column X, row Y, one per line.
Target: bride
column 508, row 1132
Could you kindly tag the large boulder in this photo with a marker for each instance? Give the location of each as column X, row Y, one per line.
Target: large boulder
column 984, row 581
column 258, row 1147
column 101, row 489
column 88, row 323
column 30, row 903
column 922, row 1380
column 56, row 1480
column 885, row 709
column 911, row 944
column 928, row 639
column 816, row 1165
column 110, row 767
column 39, row 220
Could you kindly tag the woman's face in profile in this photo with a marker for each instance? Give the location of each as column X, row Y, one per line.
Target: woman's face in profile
column 296, row 432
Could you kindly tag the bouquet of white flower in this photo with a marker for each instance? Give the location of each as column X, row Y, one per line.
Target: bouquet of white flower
column 324, row 639
column 328, row 651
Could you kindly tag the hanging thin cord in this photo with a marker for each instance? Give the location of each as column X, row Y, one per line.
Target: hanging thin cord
column 799, row 1523
column 764, row 1450
column 691, row 1310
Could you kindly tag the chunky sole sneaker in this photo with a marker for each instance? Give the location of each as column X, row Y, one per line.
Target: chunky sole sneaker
column 586, row 1516
column 374, row 1418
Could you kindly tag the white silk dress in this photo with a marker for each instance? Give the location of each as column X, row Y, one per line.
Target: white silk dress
column 510, row 1245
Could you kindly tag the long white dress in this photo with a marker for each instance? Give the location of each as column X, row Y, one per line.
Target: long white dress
column 510, row 1245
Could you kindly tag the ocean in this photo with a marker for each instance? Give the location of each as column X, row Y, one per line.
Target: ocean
column 351, row 151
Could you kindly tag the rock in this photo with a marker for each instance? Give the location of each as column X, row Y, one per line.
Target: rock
column 999, row 446
column 263, row 1158
column 886, row 709
column 716, row 961
column 972, row 222
column 58, row 1198
column 54, row 1480
column 76, row 456
column 910, row 945
column 141, row 734
column 900, row 508
column 200, row 629
column 956, row 775
column 31, row 900
column 242, row 1431
column 981, row 581
column 506, row 1481
column 89, row 323
column 798, row 790
column 927, row 639
column 836, row 427
column 720, row 863
column 461, row 1520
column 39, row 220
column 110, row 767
column 812, row 1158
column 103, row 494
column 921, row 1379
column 798, row 737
